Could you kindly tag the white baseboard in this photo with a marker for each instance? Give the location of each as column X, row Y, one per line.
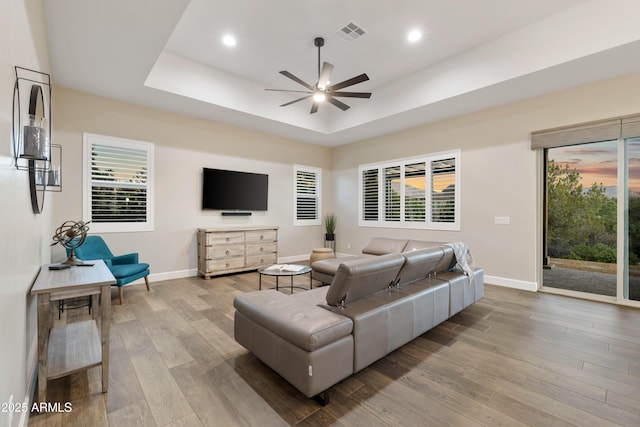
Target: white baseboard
column 491, row 280
column 168, row 275
column 511, row 283
column 294, row 258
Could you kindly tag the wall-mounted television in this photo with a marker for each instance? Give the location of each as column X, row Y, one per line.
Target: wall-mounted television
column 234, row 190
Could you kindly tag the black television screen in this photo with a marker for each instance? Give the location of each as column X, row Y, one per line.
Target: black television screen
column 233, row 190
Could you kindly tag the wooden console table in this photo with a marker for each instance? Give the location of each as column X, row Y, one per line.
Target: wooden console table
column 70, row 348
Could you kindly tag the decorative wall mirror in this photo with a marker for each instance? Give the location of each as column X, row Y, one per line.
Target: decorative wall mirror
column 31, row 132
column 36, row 147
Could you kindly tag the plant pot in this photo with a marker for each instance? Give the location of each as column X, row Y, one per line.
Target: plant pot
column 329, row 237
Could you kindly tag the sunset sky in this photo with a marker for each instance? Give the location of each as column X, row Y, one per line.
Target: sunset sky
column 598, row 162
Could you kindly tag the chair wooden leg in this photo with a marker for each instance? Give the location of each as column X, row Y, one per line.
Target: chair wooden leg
column 121, row 291
column 146, row 281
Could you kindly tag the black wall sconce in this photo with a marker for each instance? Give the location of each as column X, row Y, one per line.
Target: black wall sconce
column 32, row 148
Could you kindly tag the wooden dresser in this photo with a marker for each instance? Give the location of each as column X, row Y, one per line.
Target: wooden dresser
column 231, row 250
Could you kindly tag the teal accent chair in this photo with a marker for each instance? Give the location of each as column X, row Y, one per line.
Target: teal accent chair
column 125, row 268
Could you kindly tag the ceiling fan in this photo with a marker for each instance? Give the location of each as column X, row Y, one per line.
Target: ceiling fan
column 323, row 90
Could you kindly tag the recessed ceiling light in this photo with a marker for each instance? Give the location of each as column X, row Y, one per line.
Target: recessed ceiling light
column 414, row 35
column 229, row 40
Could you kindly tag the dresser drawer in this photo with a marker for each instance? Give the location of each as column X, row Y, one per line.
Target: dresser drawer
column 225, row 251
column 219, row 265
column 254, row 236
column 256, row 261
column 261, row 248
column 224, row 238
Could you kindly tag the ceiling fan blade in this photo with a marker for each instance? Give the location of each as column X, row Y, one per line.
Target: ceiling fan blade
column 287, row 90
column 325, row 75
column 352, row 94
column 352, row 81
column 296, row 79
column 295, row 100
column 341, row 105
column 314, row 108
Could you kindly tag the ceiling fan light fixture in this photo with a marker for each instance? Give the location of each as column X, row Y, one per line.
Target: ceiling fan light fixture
column 319, row 96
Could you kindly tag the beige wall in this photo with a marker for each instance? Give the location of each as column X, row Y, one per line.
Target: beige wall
column 183, row 146
column 24, row 236
column 499, row 173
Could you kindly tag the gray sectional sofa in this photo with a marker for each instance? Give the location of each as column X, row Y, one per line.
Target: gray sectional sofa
column 375, row 304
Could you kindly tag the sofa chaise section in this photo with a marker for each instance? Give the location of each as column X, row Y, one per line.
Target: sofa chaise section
column 310, row 347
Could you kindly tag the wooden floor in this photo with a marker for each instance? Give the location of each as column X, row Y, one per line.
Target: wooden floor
column 515, row 358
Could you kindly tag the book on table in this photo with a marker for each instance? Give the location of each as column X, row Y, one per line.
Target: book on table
column 294, row 268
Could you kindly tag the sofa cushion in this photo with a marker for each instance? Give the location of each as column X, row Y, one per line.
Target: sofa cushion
column 307, row 326
column 315, row 296
column 357, row 278
column 419, row 263
column 447, row 262
column 383, row 245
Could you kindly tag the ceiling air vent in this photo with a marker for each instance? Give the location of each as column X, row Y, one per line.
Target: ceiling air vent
column 351, row 31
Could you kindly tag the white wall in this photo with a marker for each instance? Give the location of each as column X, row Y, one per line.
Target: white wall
column 500, row 174
column 183, row 146
column 24, row 236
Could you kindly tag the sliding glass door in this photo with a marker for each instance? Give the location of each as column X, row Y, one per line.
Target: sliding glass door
column 630, row 288
column 592, row 218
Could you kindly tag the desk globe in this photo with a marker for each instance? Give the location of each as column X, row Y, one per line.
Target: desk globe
column 71, row 235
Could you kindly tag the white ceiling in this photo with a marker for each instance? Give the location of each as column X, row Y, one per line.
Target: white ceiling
column 474, row 54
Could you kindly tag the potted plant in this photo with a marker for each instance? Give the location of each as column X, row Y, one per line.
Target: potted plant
column 330, row 227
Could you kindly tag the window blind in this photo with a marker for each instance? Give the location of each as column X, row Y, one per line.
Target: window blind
column 306, row 195
column 443, row 190
column 118, row 184
column 418, row 192
column 392, row 193
column 414, row 192
column 370, row 194
column 307, row 190
column 596, row 131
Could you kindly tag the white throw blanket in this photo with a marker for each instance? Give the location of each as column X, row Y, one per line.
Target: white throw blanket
column 464, row 259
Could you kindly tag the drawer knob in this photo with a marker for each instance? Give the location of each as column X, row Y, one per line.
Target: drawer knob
column 261, row 237
column 227, row 265
column 261, row 249
column 227, row 252
column 228, row 239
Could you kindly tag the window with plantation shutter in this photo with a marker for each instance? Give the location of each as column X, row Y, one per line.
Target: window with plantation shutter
column 307, row 195
column 414, row 192
column 420, row 192
column 443, row 190
column 118, row 191
column 369, row 197
column 392, row 193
